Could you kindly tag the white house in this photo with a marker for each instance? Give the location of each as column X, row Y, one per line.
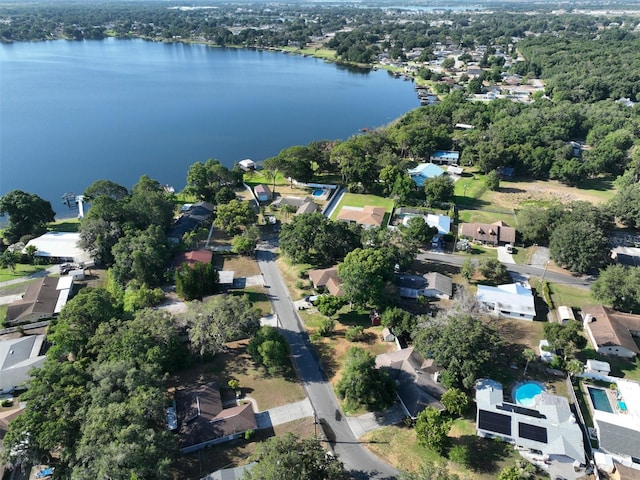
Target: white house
column 17, row 357
column 59, row 246
column 247, row 165
column 548, row 426
column 511, row 300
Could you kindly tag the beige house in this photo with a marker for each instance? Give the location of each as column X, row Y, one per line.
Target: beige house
column 498, row 233
column 611, row 332
column 367, row 216
column 326, row 278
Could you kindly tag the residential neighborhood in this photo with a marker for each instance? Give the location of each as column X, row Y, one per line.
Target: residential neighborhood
column 454, row 295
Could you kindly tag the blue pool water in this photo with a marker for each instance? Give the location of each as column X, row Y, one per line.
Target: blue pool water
column 622, row 405
column 318, row 193
column 525, row 393
column 600, row 400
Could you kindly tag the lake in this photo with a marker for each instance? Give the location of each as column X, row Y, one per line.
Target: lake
column 75, row 112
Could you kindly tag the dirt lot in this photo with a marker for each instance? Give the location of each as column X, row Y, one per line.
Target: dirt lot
column 513, row 194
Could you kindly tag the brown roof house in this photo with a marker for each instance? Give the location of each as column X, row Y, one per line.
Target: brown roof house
column 367, row 216
column 326, row 278
column 192, row 257
column 498, row 233
column 611, row 332
column 43, row 299
column 416, row 380
column 263, row 193
column 203, row 421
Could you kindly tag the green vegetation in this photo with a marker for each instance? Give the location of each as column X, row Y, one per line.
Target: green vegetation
column 360, row 201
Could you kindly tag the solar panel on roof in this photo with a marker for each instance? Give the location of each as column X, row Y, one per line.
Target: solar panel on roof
column 494, row 422
column 532, row 432
column 510, row 407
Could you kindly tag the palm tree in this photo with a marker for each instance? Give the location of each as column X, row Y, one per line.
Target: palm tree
column 529, row 355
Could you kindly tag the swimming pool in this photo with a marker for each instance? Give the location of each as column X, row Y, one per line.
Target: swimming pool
column 318, row 192
column 599, row 399
column 622, row 405
column 525, row 393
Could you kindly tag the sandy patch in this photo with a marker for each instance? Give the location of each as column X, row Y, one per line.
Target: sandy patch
column 521, row 193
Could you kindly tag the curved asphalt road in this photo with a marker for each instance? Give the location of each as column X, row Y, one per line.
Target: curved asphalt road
column 358, row 461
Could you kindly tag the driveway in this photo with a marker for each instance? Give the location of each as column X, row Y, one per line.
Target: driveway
column 540, row 256
column 505, row 257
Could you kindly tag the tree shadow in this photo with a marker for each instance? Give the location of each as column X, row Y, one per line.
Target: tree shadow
column 486, row 453
column 329, row 362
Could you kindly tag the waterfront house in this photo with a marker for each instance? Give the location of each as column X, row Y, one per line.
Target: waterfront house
column 263, row 193
column 423, row 172
column 445, row 157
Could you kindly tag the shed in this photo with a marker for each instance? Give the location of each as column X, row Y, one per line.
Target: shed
column 565, row 314
column 387, row 336
column 263, row 193
column 597, row 366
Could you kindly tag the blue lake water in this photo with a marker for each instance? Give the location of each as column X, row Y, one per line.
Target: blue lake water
column 75, row 112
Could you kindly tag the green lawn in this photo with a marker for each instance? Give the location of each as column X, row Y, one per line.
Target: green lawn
column 620, row 367
column 66, row 225
column 360, row 201
column 21, row 270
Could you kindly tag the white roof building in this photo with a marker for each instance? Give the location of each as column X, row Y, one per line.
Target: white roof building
column 17, row 357
column 63, row 246
column 511, row 300
column 548, row 426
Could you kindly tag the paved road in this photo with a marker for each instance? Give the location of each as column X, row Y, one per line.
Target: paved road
column 358, row 461
column 518, row 270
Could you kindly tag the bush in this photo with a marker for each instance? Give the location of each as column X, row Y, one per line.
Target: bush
column 249, row 434
column 327, row 326
column 460, row 454
column 354, row 334
column 6, row 403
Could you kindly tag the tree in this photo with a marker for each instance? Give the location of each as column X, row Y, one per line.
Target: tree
column 364, row 274
column 418, row 231
column 235, row 216
column 579, row 246
column 493, row 270
column 492, row 180
column 297, row 238
column 438, row 189
column 28, row 214
column 448, row 63
column 78, row 321
column 399, row 321
column 141, row 255
column 287, row 457
column 362, row 384
column 246, row 242
column 567, row 337
column 575, row 367
column 468, row 269
column 9, row 259
column 269, row 348
column 294, row 162
column 105, row 188
column 625, row 205
column 329, row 304
column 455, row 401
column 222, row 319
column 618, row 286
column 138, row 296
column 197, row 281
column 464, row 346
column 432, row 429
column 205, row 180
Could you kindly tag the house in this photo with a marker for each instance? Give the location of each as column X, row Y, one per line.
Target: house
column 263, row 193
column 498, row 233
column 629, row 256
column 247, row 165
column 511, row 300
column 17, row 357
column 301, row 204
column 192, row 257
column 43, row 299
column 432, row 284
column 441, row 222
column 236, row 473
column 423, row 172
column 616, row 419
column 445, row 157
column 192, row 216
column 326, row 278
column 547, row 427
column 367, row 216
column 611, row 332
column 455, row 171
column 59, row 247
column 203, row 421
column 416, row 380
